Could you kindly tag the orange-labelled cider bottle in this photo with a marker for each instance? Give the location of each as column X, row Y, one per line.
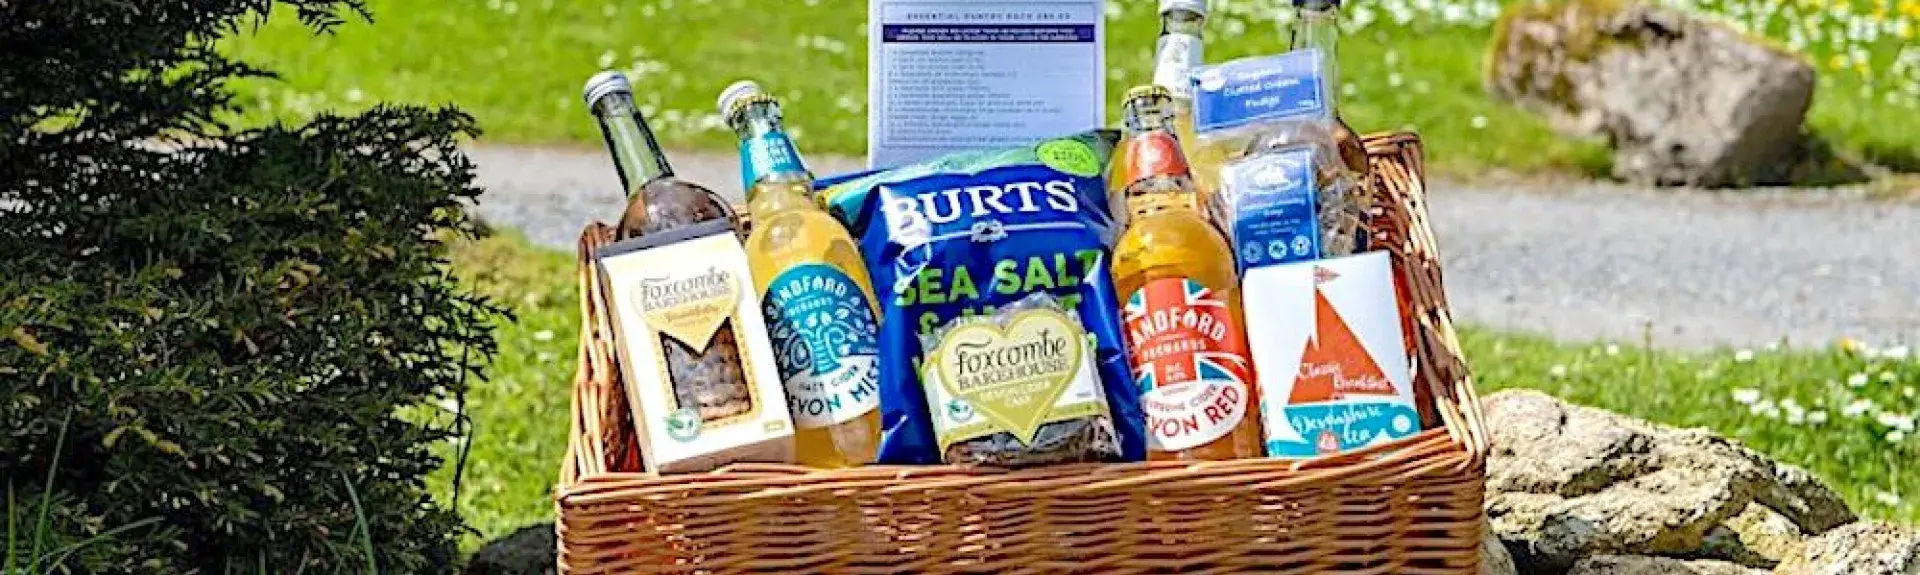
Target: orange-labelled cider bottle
column 1184, row 327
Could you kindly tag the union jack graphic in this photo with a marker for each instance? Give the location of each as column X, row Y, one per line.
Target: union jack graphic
column 1203, row 358
column 1168, row 293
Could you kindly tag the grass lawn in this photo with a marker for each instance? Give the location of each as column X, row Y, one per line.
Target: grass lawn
column 518, row 65
column 1846, row 415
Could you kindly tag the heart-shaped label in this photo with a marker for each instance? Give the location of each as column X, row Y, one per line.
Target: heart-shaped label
column 689, row 307
column 1012, row 375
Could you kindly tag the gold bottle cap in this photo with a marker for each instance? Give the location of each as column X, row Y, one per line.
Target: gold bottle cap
column 1148, row 91
column 737, row 96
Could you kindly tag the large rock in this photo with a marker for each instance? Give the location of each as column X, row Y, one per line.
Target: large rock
column 1683, row 101
column 529, row 551
column 1622, row 565
column 1494, row 558
column 1806, row 501
column 1869, row 548
column 1566, row 482
column 1757, row 536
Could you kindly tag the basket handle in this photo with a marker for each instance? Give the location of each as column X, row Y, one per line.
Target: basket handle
column 598, row 404
column 1399, row 175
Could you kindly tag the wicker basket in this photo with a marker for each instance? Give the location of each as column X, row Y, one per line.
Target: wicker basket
column 1412, row 507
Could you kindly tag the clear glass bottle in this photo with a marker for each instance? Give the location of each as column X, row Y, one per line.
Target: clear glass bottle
column 710, row 379
column 1180, row 50
column 814, row 288
column 1184, row 325
column 1317, row 26
column 656, row 199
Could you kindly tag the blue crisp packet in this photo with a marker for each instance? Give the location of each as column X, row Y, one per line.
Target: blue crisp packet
column 965, row 235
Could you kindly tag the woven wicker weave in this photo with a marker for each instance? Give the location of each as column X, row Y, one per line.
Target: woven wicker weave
column 1410, row 508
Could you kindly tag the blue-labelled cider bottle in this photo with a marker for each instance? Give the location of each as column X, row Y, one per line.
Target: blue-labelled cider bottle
column 816, row 295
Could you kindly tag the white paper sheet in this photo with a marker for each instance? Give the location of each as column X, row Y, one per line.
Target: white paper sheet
column 951, row 75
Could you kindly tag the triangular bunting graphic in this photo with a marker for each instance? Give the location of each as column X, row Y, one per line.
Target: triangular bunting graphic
column 1323, row 275
column 1334, row 364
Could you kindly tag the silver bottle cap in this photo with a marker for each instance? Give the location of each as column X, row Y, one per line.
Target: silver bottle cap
column 603, row 84
column 736, row 92
column 1194, row 6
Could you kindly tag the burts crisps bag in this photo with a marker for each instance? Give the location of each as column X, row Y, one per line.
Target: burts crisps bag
column 958, row 247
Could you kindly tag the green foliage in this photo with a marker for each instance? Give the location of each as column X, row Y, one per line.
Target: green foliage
column 519, row 415
column 38, row 543
column 236, row 319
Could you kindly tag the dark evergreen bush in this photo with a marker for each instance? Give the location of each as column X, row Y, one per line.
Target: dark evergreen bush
column 236, row 320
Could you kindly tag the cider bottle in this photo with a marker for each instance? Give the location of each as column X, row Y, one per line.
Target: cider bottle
column 816, row 295
column 1317, row 25
column 1179, row 51
column 710, row 380
column 1184, row 325
column 657, row 200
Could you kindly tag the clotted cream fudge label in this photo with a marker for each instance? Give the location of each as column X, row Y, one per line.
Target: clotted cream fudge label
column 1266, row 88
column 1326, row 338
column 1190, row 361
column 990, row 378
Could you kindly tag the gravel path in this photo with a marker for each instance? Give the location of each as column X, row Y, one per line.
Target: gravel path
column 1587, row 262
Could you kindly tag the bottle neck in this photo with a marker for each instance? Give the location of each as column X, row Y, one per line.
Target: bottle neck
column 1179, row 21
column 1153, row 162
column 1147, row 115
column 1318, row 27
column 1181, row 49
column 768, row 159
column 636, row 152
column 772, row 197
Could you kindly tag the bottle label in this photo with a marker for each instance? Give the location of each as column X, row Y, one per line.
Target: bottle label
column 1154, row 153
column 983, row 378
column 1144, row 204
column 1190, row 361
column 1274, row 207
column 1176, row 58
column 765, row 154
column 1280, row 87
column 824, row 338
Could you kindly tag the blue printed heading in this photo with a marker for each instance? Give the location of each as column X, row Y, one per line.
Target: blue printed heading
column 1280, row 87
column 987, row 33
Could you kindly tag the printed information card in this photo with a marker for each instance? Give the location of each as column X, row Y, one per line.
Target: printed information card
column 953, row 75
column 1330, row 355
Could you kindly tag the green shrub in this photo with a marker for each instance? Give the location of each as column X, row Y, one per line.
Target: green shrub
column 239, row 320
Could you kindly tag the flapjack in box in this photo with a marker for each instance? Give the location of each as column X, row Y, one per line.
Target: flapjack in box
column 699, row 369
